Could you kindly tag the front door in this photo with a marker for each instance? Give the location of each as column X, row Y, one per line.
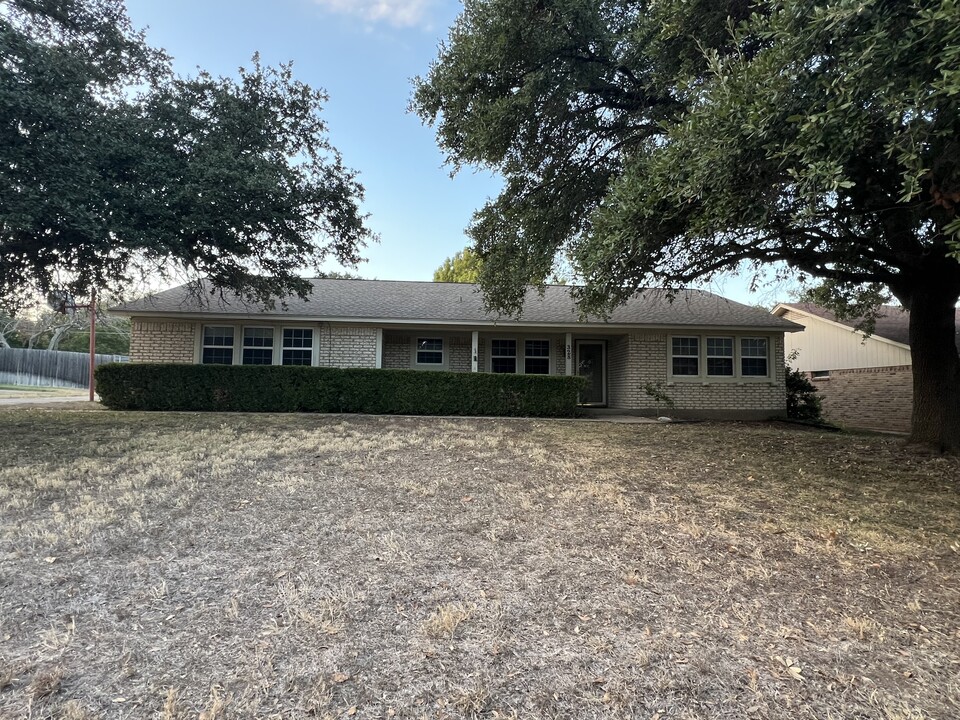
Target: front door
column 591, row 364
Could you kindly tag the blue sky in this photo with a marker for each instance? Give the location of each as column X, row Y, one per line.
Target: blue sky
column 364, row 53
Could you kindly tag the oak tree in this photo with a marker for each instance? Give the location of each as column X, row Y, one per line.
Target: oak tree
column 664, row 142
column 113, row 168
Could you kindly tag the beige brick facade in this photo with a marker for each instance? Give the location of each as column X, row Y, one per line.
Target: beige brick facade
column 346, row 347
column 162, row 341
column 633, row 361
column 639, row 359
column 879, row 398
column 398, row 350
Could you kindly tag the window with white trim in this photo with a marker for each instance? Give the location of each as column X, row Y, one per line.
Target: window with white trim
column 257, row 346
column 753, row 357
column 429, row 351
column 217, row 347
column 685, row 356
column 720, row 356
column 297, row 348
column 536, row 357
column 503, row 356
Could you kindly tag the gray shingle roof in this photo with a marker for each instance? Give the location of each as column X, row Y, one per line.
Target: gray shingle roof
column 389, row 301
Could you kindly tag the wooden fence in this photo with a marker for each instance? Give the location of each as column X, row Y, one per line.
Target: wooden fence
column 52, row 368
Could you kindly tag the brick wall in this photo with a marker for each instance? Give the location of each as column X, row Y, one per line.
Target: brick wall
column 396, row 351
column 345, row 347
column 162, row 341
column 637, row 359
column 621, row 376
column 560, row 356
column 869, row 398
column 459, row 349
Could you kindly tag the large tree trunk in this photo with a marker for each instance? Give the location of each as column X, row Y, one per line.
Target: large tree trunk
column 936, row 369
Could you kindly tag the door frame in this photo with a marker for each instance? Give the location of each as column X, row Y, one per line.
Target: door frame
column 603, row 368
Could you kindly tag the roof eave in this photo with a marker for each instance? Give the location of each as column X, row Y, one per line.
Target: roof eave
column 290, row 318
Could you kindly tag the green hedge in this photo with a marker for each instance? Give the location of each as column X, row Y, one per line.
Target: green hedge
column 268, row 388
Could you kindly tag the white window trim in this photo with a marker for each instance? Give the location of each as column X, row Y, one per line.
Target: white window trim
column 737, row 377
column 739, row 351
column 242, row 333
column 516, row 357
column 699, row 356
column 520, row 355
column 200, row 346
column 238, row 330
column 278, row 356
column 732, row 356
column 549, row 355
column 444, row 355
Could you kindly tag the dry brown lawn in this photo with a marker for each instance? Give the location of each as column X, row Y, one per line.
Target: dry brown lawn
column 220, row 566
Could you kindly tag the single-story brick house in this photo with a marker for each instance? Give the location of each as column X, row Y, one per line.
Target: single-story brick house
column 711, row 356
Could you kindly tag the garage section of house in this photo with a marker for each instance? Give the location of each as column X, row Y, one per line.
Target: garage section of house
column 694, row 352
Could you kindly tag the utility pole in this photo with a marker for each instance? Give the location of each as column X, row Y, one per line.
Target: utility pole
column 62, row 307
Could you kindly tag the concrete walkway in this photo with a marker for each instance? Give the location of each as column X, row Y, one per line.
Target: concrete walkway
column 16, row 398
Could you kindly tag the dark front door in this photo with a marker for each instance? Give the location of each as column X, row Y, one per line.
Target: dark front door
column 591, row 364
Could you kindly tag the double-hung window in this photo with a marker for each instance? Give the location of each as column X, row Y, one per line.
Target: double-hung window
column 685, row 356
column 257, row 346
column 217, row 345
column 297, row 348
column 429, row 351
column 753, row 357
column 503, row 356
column 720, row 356
column 536, row 357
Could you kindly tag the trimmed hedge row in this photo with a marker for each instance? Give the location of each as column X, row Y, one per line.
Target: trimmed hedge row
column 269, row 388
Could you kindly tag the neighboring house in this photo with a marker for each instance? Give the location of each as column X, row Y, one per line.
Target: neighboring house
column 864, row 381
column 713, row 357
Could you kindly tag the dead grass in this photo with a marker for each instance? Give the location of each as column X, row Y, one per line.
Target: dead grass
column 230, row 566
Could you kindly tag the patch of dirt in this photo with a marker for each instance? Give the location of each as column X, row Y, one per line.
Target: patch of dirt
column 220, row 566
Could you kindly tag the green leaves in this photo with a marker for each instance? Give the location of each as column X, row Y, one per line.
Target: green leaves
column 116, row 169
column 665, row 142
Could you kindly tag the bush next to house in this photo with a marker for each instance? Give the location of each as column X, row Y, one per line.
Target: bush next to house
column 268, row 388
column 803, row 402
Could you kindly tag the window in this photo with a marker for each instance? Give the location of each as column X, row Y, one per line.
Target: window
column 720, row 356
column 257, row 346
column 297, row 346
column 217, row 345
column 536, row 360
column 503, row 356
column 820, row 374
column 686, row 356
column 429, row 351
column 753, row 357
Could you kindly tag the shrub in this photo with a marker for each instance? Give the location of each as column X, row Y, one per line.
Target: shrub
column 268, row 388
column 803, row 402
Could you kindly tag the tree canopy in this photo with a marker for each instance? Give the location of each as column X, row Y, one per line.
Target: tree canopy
column 463, row 267
column 664, row 142
column 112, row 167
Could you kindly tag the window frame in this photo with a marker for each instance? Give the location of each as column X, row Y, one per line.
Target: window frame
column 244, row 347
column 741, row 356
column 703, row 375
column 732, row 357
column 548, row 357
column 431, row 365
column 698, row 357
column 203, row 346
column 311, row 348
column 513, row 357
